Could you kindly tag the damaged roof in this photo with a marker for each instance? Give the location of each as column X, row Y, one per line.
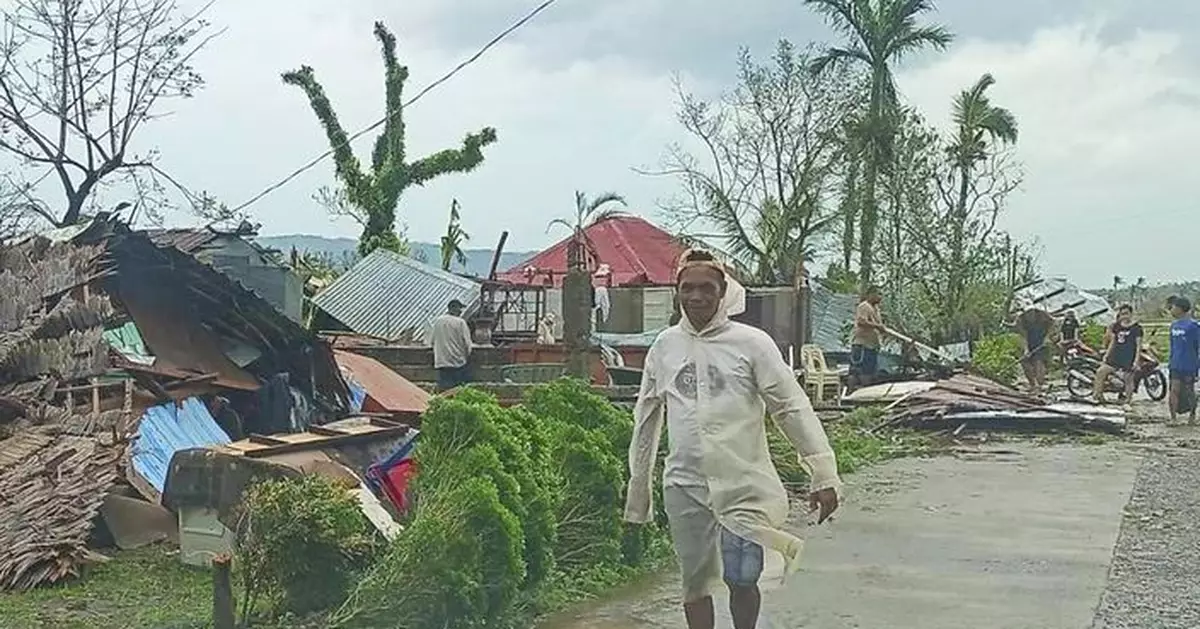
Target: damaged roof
column 394, row 297
column 386, row 390
column 636, row 251
column 1057, row 295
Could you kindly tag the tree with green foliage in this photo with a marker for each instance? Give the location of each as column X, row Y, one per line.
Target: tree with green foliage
column 371, row 197
column 880, row 33
column 979, row 125
column 453, row 240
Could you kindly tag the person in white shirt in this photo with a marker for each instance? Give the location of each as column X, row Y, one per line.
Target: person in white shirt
column 451, row 337
column 716, row 379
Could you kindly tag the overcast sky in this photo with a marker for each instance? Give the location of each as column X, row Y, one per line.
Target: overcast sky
column 1107, row 97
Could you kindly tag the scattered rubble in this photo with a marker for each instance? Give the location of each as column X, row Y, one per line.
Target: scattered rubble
column 965, row 402
column 117, row 352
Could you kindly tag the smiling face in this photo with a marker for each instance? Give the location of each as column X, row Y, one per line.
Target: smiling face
column 701, row 289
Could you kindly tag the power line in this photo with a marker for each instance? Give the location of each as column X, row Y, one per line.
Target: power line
column 428, row 88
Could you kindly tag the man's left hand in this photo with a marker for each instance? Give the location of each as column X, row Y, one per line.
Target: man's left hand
column 825, row 500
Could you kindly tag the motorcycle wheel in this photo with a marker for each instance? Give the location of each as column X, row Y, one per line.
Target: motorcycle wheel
column 1156, row 386
column 1079, row 385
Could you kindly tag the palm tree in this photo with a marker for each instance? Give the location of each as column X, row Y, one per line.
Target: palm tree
column 453, row 239
column 979, row 124
column 978, row 121
column 587, row 212
column 880, row 33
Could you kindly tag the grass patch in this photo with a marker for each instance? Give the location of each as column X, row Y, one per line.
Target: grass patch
column 148, row 588
column 856, row 443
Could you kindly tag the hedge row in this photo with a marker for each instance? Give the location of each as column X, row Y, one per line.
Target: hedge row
column 516, row 510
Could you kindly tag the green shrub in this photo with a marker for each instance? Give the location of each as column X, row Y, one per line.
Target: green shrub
column 516, row 508
column 998, row 357
column 300, row 543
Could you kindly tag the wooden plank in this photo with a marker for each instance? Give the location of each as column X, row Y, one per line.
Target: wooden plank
column 326, row 432
column 326, row 442
column 266, row 440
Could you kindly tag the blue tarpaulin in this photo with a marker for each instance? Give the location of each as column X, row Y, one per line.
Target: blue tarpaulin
column 167, row 429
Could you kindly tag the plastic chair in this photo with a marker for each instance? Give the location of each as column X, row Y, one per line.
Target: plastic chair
column 818, row 375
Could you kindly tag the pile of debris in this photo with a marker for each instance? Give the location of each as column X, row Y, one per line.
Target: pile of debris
column 117, row 353
column 965, row 402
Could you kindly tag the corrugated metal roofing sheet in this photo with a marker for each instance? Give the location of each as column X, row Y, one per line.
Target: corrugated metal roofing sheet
column 185, row 240
column 635, row 250
column 385, row 389
column 167, row 429
column 831, row 314
column 1056, row 295
column 394, row 297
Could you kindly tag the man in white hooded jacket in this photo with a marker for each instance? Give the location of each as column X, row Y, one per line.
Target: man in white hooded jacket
column 716, row 379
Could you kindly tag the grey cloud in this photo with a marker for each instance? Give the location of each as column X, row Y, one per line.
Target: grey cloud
column 700, row 36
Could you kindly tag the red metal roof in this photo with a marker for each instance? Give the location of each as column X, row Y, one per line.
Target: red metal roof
column 387, row 391
column 636, row 252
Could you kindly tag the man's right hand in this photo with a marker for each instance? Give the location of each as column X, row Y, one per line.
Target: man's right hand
column 825, row 501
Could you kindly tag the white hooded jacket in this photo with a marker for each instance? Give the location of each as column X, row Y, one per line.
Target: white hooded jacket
column 715, row 386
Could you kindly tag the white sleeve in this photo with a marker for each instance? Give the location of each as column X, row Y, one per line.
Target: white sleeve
column 643, row 447
column 792, row 411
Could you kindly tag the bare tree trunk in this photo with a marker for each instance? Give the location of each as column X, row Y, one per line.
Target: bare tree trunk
column 870, row 220
column 850, row 211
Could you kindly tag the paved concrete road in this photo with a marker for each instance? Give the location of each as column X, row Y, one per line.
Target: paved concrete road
column 1008, row 541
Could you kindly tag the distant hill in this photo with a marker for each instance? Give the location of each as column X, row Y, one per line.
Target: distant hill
column 479, row 261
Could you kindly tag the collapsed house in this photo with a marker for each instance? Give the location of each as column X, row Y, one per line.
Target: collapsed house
column 116, row 352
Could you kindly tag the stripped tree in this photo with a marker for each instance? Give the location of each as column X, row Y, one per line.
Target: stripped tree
column 79, row 79
column 371, row 196
column 762, row 188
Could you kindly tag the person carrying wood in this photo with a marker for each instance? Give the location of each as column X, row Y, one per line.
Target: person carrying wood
column 1035, row 327
column 866, row 338
column 716, row 379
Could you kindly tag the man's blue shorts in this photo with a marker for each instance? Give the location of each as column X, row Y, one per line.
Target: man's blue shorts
column 864, row 361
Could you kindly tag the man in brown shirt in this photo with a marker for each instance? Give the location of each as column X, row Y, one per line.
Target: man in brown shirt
column 865, row 339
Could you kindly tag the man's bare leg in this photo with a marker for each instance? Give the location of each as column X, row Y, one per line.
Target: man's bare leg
column 1101, row 382
column 745, row 601
column 1030, row 373
column 1129, row 379
column 700, row 614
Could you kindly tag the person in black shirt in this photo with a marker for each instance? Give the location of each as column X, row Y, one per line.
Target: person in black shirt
column 1069, row 328
column 1123, row 351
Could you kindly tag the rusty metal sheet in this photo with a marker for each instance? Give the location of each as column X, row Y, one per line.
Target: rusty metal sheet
column 387, row 391
column 179, row 342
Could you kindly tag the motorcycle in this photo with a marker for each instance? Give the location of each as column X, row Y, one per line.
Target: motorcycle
column 1083, row 363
